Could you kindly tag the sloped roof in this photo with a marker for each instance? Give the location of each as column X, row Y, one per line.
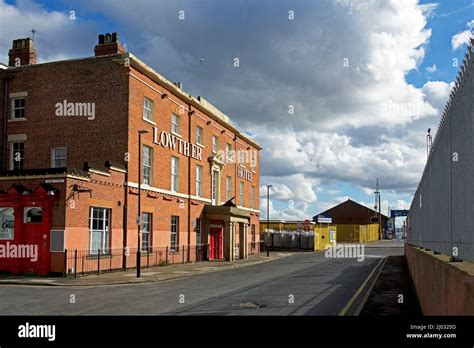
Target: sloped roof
column 349, row 212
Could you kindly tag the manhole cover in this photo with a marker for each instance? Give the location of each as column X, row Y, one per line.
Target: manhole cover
column 248, row 305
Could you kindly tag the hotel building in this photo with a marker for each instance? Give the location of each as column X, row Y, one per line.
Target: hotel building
column 77, row 134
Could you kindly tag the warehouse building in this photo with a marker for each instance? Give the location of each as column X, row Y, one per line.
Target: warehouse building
column 78, row 136
column 354, row 222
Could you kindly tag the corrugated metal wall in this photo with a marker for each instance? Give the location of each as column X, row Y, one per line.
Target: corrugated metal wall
column 442, row 212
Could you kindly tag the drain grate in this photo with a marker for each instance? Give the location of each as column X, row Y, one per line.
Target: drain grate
column 248, row 305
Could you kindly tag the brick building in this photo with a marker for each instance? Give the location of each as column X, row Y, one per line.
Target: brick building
column 70, row 160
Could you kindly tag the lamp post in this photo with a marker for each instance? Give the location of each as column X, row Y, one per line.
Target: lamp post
column 268, row 220
column 139, row 218
column 378, row 202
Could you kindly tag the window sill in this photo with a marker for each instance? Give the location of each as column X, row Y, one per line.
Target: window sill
column 176, row 134
column 95, row 257
column 149, row 121
column 200, row 145
column 20, row 119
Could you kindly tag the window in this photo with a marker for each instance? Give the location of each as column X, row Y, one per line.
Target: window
column 33, row 215
column 215, row 144
column 147, row 165
column 58, row 157
column 241, row 157
column 228, row 184
column 99, row 225
column 242, row 199
column 228, row 151
column 17, row 154
column 198, row 231
column 7, row 223
column 174, row 233
column 199, row 135
column 174, row 174
column 252, row 231
column 198, row 180
column 214, row 187
column 252, row 197
column 18, row 108
column 146, row 231
column 175, row 123
column 148, row 109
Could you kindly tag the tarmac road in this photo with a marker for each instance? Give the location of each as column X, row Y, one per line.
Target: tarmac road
column 301, row 284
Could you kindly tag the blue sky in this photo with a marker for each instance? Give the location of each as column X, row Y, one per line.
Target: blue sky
column 353, row 122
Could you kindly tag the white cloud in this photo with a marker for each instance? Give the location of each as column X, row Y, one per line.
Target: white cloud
column 431, row 69
column 291, row 188
column 352, row 123
column 463, row 37
column 57, row 37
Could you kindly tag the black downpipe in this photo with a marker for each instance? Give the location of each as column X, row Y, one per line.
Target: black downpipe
column 189, row 183
column 125, row 220
column 5, row 123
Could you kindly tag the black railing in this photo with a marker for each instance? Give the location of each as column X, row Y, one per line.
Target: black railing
column 82, row 262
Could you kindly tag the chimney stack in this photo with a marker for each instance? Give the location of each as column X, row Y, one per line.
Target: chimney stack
column 108, row 44
column 22, row 52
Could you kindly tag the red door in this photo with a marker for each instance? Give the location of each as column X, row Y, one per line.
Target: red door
column 215, row 250
column 36, row 239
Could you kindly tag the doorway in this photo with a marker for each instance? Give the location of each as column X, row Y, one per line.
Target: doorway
column 215, row 247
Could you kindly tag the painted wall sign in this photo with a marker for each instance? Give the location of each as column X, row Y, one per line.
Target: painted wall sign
column 244, row 174
column 324, row 220
column 54, row 181
column 175, row 143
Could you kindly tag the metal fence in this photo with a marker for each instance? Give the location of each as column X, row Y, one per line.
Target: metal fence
column 290, row 240
column 82, row 262
column 441, row 215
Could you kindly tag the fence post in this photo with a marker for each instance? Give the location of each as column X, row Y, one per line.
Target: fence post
column 65, row 263
column 166, row 255
column 75, row 263
column 183, row 253
column 148, row 258
column 98, row 262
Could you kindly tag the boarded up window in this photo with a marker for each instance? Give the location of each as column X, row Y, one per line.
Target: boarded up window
column 57, row 241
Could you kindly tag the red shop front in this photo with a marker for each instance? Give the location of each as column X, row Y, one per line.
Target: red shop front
column 25, row 224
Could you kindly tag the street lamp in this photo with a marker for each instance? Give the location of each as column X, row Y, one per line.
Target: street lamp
column 268, row 220
column 378, row 202
column 139, row 218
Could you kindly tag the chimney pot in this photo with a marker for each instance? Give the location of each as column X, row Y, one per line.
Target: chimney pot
column 23, row 52
column 108, row 44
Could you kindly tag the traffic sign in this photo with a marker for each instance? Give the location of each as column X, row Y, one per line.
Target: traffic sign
column 374, row 219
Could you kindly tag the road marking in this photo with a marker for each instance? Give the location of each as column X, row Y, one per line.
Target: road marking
column 353, row 298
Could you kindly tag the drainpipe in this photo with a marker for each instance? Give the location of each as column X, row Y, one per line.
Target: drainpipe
column 189, row 184
column 125, row 220
column 5, row 122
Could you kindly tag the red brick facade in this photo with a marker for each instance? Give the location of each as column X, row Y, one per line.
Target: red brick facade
column 107, row 95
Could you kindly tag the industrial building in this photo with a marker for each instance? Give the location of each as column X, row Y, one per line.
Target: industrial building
column 354, row 222
column 80, row 136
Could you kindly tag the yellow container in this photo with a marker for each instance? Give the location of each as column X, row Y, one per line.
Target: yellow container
column 324, row 235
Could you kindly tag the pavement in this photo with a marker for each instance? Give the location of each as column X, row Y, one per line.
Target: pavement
column 152, row 274
column 300, row 283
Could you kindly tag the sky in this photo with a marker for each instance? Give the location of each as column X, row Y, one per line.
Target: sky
column 337, row 92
